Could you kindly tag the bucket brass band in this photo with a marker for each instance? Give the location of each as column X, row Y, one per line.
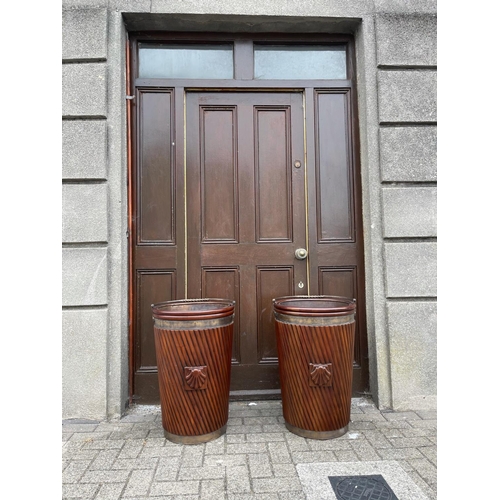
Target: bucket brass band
column 316, row 321
column 315, row 340
column 193, row 341
column 164, row 324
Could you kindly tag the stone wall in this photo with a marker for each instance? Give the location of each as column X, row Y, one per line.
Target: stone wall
column 396, row 59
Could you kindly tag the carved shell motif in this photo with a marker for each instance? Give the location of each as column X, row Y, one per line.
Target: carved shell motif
column 196, row 377
column 321, row 374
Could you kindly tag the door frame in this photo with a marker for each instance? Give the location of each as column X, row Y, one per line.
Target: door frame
column 243, row 43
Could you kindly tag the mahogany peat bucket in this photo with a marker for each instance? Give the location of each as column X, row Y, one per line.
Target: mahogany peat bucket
column 315, row 340
column 193, row 342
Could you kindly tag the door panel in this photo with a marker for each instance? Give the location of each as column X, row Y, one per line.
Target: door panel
column 155, row 262
column 246, row 212
column 335, row 243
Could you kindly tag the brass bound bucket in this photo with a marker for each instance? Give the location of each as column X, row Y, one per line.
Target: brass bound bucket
column 315, row 340
column 193, row 342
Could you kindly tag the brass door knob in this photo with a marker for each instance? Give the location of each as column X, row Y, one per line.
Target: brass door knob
column 300, row 253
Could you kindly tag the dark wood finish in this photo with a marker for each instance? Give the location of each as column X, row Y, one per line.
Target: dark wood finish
column 246, row 215
column 241, row 247
column 334, row 194
column 157, row 270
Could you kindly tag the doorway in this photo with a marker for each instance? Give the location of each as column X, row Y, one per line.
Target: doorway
column 246, row 189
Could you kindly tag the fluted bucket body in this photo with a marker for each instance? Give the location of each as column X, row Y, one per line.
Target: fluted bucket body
column 315, row 340
column 193, row 342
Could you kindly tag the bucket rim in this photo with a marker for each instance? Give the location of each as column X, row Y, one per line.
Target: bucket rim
column 189, row 309
column 314, row 305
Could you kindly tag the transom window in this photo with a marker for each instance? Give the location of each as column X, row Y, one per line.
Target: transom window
column 262, row 61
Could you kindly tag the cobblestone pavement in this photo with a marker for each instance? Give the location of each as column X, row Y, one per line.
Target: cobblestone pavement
column 257, row 459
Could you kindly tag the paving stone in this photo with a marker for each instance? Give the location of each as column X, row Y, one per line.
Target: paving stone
column 105, row 476
column 213, row 489
column 81, row 427
column 244, row 429
column 130, row 434
column 161, row 452
column 346, row 456
column 401, row 415
column 259, row 465
column 130, row 450
column 247, row 448
column 276, row 484
column 427, row 432
column 225, row 460
column 405, row 465
column 234, row 421
column 156, row 433
column 192, row 456
column 174, row 488
column 86, row 436
column 361, row 426
column 235, row 438
column 136, row 463
column 79, row 490
column 139, row 483
column 75, row 470
column 302, row 457
column 426, row 469
column 167, row 469
column 296, row 443
column 395, row 424
column 110, row 491
column 399, row 453
column 394, row 433
column 277, row 412
column 284, row 470
column 243, row 413
column 364, row 451
column 429, row 490
column 367, row 417
column 259, row 420
column 206, row 472
column 252, row 496
column 274, row 428
column 292, row 495
column 329, row 444
column 113, row 427
column 266, row 437
column 410, row 442
column 104, row 460
column 238, row 479
column 79, row 454
column 279, row 452
column 430, row 424
column 156, row 442
column 377, row 439
column 103, row 444
column 215, row 447
column 427, row 414
column 138, row 418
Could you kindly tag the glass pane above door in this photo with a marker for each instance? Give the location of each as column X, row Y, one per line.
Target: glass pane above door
column 300, row 62
column 186, row 61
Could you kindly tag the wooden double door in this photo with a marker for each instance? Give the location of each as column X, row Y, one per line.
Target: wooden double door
column 256, row 198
